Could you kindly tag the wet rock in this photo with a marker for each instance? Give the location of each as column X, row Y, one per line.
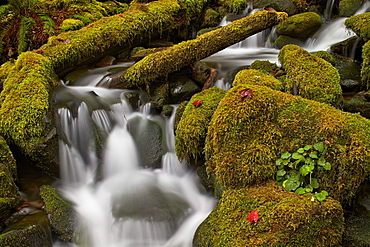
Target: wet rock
column 359, row 104
column 167, row 110
column 349, row 7
column 145, row 52
column 351, row 47
column 349, row 71
column 285, row 40
column 106, row 61
column 279, row 5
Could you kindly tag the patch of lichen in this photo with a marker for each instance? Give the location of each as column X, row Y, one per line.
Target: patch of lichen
column 61, row 215
column 284, row 219
column 257, row 77
column 264, row 65
column 233, row 6
column 246, row 136
column 192, row 128
column 315, row 78
column 185, row 53
column 110, row 32
column 300, row 25
column 25, row 100
column 360, row 25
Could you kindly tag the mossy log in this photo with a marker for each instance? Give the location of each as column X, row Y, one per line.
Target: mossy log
column 185, row 53
column 284, row 219
column 246, row 136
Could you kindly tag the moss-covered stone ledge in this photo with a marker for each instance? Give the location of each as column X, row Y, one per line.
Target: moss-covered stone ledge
column 9, row 195
column 313, row 77
column 257, row 77
column 246, row 136
column 284, row 219
column 192, row 129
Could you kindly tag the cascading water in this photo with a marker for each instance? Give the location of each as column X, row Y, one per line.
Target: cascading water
column 120, row 202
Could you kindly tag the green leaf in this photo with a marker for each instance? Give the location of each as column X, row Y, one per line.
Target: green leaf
column 286, row 155
column 306, row 169
column 314, row 183
column 285, row 162
column 321, row 196
column 300, row 151
column 300, row 191
column 307, row 147
column 297, row 156
column 291, row 184
column 280, row 174
column 327, row 166
column 313, row 155
column 321, row 161
column 309, row 161
column 320, row 146
column 294, row 174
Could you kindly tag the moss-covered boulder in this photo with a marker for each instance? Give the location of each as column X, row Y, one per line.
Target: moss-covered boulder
column 192, row 129
column 246, row 136
column 9, row 195
column 360, row 103
column 284, row 219
column 291, row 7
column 300, row 25
column 349, row 7
column 315, row 78
column 31, row 231
column 234, row 6
column 283, row 40
column 257, row 77
column 61, row 215
column 264, row 65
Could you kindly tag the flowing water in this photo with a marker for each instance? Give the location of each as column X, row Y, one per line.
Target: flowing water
column 122, row 201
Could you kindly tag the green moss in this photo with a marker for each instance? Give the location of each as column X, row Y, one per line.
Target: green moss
column 285, row 219
column 360, row 25
column 315, row 78
column 25, row 100
column 264, row 65
column 71, row 25
column 192, row 128
column 283, row 40
column 365, row 68
column 234, row 6
column 326, row 56
column 246, row 136
column 60, row 212
column 187, row 52
column 349, row 7
column 257, row 77
column 211, row 18
column 300, row 25
column 179, row 111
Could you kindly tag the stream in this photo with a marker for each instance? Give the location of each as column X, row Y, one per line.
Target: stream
column 123, row 201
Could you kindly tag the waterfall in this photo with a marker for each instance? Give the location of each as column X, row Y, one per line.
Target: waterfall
column 329, row 9
column 120, row 202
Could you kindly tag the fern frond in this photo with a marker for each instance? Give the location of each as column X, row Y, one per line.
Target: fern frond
column 24, row 30
column 49, row 24
column 5, row 10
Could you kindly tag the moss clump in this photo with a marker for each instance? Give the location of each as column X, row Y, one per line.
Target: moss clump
column 326, row 56
column 246, row 136
column 25, row 100
column 315, row 78
column 187, row 52
column 234, row 6
column 60, row 213
column 192, row 128
column 9, row 195
column 285, row 219
column 365, row 68
column 283, row 40
column 264, row 65
column 360, row 25
column 71, row 25
column 300, row 25
column 257, row 77
column 211, row 18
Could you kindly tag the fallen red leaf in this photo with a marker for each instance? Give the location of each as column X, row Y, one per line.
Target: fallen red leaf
column 197, row 103
column 90, row 25
column 120, row 15
column 253, row 216
column 246, row 92
column 39, row 52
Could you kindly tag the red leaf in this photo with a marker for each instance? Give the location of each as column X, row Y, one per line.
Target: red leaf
column 91, row 25
column 197, row 103
column 253, row 216
column 120, row 15
column 39, row 52
column 246, row 92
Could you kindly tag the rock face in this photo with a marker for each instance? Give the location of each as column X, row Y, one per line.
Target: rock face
column 284, row 219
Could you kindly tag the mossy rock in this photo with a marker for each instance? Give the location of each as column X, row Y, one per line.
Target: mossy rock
column 211, row 18
column 359, row 104
column 257, row 77
column 179, row 111
column 284, row 219
column 291, row 7
column 9, row 195
column 351, row 47
column 315, row 78
column 326, row 56
column 360, row 25
column 71, row 25
column 264, row 65
column 234, row 6
column 61, row 215
column 192, row 128
column 350, row 73
column 348, row 7
column 365, row 68
column 283, row 40
column 300, row 25
column 31, row 231
column 246, row 136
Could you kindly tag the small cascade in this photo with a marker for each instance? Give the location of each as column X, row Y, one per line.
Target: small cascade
column 329, row 9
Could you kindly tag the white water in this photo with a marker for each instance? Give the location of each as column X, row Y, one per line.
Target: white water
column 119, row 202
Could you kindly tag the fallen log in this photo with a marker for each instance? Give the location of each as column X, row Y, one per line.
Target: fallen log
column 185, row 53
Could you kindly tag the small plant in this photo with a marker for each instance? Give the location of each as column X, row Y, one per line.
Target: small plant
column 296, row 170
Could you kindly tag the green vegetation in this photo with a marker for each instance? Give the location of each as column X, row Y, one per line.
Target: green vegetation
column 300, row 25
column 296, row 169
column 192, row 129
column 284, row 219
column 257, row 77
column 234, row 6
column 314, row 78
